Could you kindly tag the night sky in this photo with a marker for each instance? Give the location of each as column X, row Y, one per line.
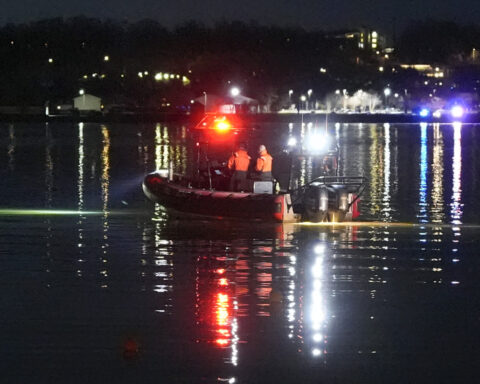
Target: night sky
column 310, row 14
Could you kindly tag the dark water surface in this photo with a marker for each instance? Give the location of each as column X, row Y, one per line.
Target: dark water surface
column 122, row 294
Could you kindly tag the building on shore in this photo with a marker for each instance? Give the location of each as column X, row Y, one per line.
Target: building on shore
column 85, row 103
column 364, row 38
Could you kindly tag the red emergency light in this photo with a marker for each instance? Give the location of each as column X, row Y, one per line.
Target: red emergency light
column 219, row 123
column 222, row 125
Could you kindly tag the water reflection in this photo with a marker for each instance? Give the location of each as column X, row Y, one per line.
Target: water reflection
column 376, row 176
column 422, row 215
column 241, row 301
column 81, row 159
column 105, row 188
column 162, row 147
column 80, row 198
column 456, row 205
column 320, row 280
column 437, row 207
column 318, row 315
column 386, row 209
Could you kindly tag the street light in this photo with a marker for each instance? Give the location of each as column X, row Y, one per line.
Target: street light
column 290, row 93
column 205, row 104
column 82, row 93
column 387, row 92
column 234, row 91
column 303, row 98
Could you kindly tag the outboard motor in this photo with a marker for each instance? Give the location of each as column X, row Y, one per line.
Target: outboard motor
column 340, row 211
column 316, row 203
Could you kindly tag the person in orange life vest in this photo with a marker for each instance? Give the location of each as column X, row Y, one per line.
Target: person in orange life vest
column 264, row 164
column 238, row 163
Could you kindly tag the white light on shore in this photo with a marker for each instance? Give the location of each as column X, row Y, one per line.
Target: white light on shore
column 457, row 111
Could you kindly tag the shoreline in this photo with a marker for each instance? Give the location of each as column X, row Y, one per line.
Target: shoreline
column 472, row 118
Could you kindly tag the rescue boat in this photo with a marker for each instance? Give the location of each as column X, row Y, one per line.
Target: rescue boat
column 185, row 201
column 328, row 197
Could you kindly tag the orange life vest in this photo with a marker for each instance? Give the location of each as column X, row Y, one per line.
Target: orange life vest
column 239, row 161
column 264, row 162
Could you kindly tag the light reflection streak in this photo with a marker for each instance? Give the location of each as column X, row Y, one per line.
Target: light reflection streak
column 386, row 174
column 80, row 188
column 423, row 175
column 46, row 212
column 161, row 162
column 163, row 274
column 162, row 147
column 222, row 312
column 226, row 323
column 456, row 205
column 436, row 212
column 291, row 310
column 303, row 172
column 318, row 316
column 163, row 254
column 105, row 185
column 303, row 162
column 380, row 224
column 376, row 172
column 81, row 158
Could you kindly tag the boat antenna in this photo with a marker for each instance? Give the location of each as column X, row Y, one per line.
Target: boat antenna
column 208, row 168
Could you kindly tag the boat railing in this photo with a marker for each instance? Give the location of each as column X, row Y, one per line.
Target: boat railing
column 340, row 180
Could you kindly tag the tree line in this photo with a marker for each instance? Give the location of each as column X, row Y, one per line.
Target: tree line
column 51, row 59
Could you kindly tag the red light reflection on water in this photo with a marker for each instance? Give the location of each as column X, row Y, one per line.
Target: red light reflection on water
column 223, row 317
